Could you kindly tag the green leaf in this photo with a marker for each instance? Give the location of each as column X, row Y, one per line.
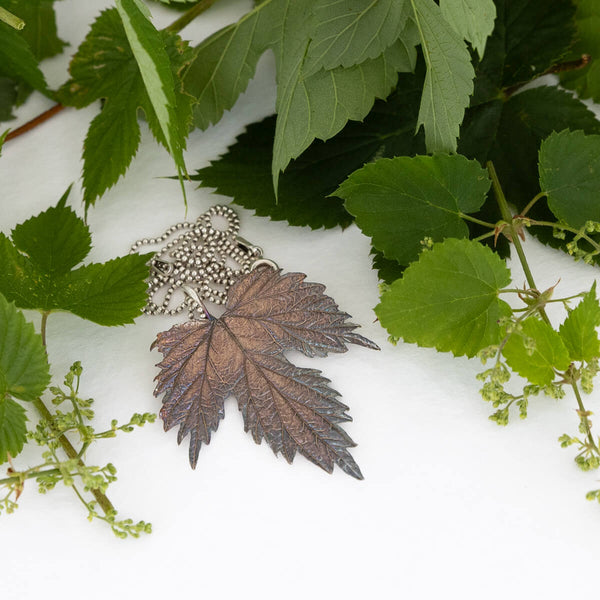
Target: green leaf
column 40, row 31
column 449, row 79
column 387, row 270
column 536, row 351
column 473, row 20
column 37, row 273
column 586, row 81
column 349, row 32
column 56, row 240
column 578, row 332
column 105, row 66
column 510, row 133
column 149, row 51
column 526, row 120
column 113, row 133
column 400, row 201
column 17, row 61
column 8, row 97
column 529, row 37
column 225, row 62
column 13, row 428
column 448, row 299
column 23, row 362
column 310, row 105
column 244, row 172
column 319, row 105
column 570, row 176
column 111, row 293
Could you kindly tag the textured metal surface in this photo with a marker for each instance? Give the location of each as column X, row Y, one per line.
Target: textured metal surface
column 241, row 354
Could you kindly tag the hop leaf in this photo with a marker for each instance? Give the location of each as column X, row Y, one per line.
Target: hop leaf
column 448, row 299
column 241, row 354
column 38, row 270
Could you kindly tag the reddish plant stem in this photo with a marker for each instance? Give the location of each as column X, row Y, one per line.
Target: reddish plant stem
column 35, row 122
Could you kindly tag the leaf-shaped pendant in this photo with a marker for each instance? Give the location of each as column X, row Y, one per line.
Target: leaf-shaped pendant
column 241, row 354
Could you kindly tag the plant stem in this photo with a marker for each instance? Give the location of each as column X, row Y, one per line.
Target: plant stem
column 507, row 216
column 475, row 220
column 35, row 122
column 582, row 414
column 11, row 19
column 189, row 15
column 578, row 232
column 104, row 503
column 43, row 327
column 532, row 202
column 29, row 475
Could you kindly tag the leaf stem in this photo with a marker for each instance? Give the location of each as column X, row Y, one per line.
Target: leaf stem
column 475, row 220
column 578, row 232
column 532, row 202
column 484, row 236
column 189, row 15
column 43, row 326
column 35, row 122
column 32, row 474
column 507, row 216
column 582, row 414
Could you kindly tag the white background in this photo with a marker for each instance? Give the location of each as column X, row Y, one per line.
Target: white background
column 451, row 506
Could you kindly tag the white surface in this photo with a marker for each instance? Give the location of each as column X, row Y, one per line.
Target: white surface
column 451, row 506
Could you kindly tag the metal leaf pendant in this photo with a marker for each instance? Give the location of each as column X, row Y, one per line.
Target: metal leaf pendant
column 241, row 354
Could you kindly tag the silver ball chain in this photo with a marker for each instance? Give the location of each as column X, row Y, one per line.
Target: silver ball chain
column 201, row 260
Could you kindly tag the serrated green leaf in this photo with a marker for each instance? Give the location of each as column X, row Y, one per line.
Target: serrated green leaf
column 23, row 361
column 225, row 62
column 15, row 283
column 111, row 293
column 448, row 299
column 13, row 428
column 110, row 144
column 40, row 31
column 349, row 32
column 400, row 201
column 319, row 105
column 149, row 51
column 570, row 176
column 8, row 98
column 528, row 38
column 55, row 240
column 473, row 20
column 17, row 61
column 387, row 270
column 313, row 106
column 586, row 81
column 449, row 79
column 526, row 119
column 244, row 172
column 578, row 331
column 105, row 67
column 510, row 133
column 536, row 351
